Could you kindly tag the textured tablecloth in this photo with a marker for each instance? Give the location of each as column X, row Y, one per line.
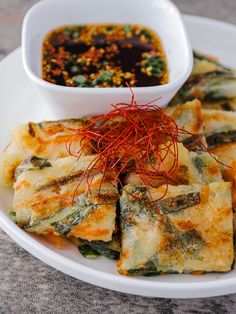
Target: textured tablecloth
column 27, row 285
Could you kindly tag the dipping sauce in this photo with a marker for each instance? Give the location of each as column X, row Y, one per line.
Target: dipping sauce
column 104, row 55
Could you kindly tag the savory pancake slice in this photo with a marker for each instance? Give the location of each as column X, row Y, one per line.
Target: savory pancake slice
column 44, row 139
column 189, row 230
column 188, row 116
column 216, row 121
column 193, row 167
column 225, row 104
column 220, row 134
column 204, row 64
column 210, row 81
column 94, row 249
column 43, row 201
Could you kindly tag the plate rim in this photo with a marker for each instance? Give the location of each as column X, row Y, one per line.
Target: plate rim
column 189, row 18
column 101, row 278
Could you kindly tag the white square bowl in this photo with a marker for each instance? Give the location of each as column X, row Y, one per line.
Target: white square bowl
column 160, row 15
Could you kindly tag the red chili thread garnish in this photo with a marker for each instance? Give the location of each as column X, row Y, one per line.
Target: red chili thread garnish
column 129, row 138
column 133, row 137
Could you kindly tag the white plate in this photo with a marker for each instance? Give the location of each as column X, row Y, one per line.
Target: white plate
column 19, row 103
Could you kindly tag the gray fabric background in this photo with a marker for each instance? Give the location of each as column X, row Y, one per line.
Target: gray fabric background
column 27, row 285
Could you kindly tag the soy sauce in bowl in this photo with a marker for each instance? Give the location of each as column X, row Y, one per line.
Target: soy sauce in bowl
column 104, row 55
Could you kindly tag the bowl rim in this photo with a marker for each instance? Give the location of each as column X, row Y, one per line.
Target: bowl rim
column 175, row 84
